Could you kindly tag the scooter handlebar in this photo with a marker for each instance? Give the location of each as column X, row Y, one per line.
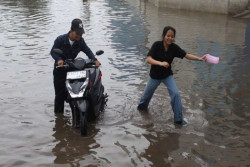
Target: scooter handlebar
column 63, row 66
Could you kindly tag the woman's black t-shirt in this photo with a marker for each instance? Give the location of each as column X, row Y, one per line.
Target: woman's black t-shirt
column 157, row 52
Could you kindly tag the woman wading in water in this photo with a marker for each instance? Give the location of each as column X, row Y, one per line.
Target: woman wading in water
column 160, row 57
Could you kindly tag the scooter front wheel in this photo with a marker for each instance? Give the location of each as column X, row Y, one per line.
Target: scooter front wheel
column 83, row 124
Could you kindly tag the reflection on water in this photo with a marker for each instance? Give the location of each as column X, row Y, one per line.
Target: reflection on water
column 69, row 148
column 215, row 97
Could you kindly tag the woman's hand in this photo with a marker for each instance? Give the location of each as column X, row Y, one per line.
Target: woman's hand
column 202, row 58
column 164, row 64
column 152, row 61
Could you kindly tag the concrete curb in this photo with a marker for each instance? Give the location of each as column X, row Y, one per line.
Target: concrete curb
column 242, row 14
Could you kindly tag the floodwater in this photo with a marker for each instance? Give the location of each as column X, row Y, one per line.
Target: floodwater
column 216, row 98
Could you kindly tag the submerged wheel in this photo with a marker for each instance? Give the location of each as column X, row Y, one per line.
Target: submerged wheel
column 75, row 117
column 83, row 124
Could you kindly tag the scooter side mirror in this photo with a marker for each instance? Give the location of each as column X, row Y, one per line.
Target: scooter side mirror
column 99, row 52
column 58, row 51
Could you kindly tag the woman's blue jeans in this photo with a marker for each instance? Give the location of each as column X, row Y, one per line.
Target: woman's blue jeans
column 173, row 92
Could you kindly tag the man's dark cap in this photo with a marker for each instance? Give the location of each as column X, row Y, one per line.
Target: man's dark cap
column 77, row 26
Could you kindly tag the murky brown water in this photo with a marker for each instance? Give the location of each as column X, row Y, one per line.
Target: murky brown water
column 216, row 98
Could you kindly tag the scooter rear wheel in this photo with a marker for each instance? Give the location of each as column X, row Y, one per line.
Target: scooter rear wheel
column 83, row 124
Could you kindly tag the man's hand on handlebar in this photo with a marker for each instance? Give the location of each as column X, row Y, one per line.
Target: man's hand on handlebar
column 97, row 63
column 60, row 63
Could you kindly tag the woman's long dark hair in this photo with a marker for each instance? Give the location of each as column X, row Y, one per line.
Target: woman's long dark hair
column 165, row 30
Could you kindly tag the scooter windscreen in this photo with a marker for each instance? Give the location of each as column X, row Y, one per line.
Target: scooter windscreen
column 79, row 63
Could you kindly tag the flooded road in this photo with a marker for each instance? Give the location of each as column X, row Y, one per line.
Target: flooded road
column 216, row 98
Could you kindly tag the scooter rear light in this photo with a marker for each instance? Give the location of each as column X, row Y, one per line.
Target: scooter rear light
column 90, row 84
column 100, row 75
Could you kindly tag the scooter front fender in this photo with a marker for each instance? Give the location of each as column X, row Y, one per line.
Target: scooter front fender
column 82, row 105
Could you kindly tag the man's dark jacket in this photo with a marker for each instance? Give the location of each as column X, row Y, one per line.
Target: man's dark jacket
column 70, row 52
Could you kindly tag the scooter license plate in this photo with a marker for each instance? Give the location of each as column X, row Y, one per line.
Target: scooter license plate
column 76, row 75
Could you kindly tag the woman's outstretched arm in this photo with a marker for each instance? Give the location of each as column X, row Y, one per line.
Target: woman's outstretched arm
column 193, row 57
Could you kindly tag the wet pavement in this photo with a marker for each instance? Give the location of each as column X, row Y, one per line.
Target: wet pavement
column 216, row 98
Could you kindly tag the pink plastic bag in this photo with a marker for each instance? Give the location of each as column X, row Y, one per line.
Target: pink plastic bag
column 211, row 59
